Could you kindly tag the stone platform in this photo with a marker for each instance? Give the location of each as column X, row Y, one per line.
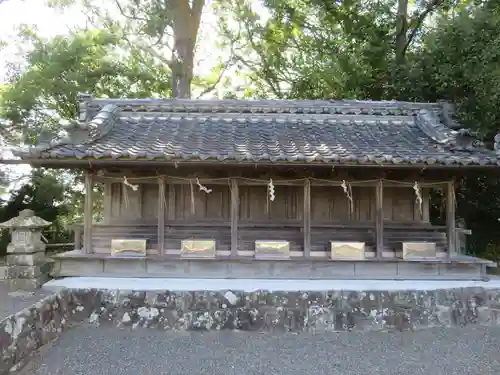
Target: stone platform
column 76, row 263
column 298, row 305
column 245, row 304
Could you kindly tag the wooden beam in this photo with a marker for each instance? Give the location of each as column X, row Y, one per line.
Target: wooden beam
column 161, row 216
column 235, row 203
column 87, row 213
column 180, row 179
column 450, row 218
column 171, row 201
column 307, row 219
column 379, row 219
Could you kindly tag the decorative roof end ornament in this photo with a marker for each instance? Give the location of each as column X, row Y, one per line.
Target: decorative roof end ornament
column 448, row 115
column 83, row 100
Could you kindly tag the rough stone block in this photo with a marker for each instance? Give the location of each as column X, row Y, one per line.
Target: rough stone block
column 166, row 269
column 198, row 249
column 347, row 250
column 28, row 259
column 369, row 270
column 333, row 270
column 272, row 249
column 27, row 284
column 26, row 249
column 136, row 267
column 461, row 271
column 27, row 272
column 78, row 267
column 411, row 270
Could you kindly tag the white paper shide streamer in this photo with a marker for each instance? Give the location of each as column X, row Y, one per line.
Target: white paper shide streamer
column 348, row 192
column 202, row 187
column 270, row 190
column 125, row 191
column 418, row 196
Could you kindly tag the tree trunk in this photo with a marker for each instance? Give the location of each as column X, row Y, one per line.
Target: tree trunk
column 401, row 31
column 182, row 68
column 185, row 27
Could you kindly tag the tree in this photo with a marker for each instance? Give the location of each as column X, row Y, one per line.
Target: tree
column 166, row 30
column 323, row 49
column 50, row 197
column 45, row 90
column 458, row 62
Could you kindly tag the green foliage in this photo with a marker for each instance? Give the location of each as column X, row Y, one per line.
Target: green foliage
column 37, row 96
column 293, row 49
column 51, row 196
column 460, row 62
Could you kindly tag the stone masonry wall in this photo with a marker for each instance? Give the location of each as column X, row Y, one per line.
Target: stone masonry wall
column 23, row 333
column 299, row 311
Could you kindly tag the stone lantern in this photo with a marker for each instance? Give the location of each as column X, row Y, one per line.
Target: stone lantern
column 27, row 267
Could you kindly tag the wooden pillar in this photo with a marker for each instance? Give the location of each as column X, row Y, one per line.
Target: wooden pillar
column 450, row 217
column 307, row 219
column 171, row 201
column 379, row 219
column 107, row 202
column 235, row 198
column 161, row 216
column 426, row 205
column 87, row 214
column 77, row 230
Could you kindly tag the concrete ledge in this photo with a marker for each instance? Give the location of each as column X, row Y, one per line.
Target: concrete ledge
column 287, row 269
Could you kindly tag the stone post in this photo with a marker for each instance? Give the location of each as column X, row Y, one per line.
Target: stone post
column 26, row 265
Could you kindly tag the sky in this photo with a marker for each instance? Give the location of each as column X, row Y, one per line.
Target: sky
column 50, row 22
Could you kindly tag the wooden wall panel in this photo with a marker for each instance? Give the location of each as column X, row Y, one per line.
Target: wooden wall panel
column 364, row 203
column 116, row 201
column 255, row 204
column 403, row 203
column 328, row 204
column 214, row 205
column 149, row 201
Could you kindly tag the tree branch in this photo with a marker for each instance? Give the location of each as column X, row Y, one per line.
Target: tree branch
column 419, row 20
column 124, row 14
column 226, row 66
column 149, row 49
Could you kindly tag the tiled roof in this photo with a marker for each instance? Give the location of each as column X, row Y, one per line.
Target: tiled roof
column 267, row 131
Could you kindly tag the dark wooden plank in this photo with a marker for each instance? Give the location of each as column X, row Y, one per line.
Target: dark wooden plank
column 107, row 201
column 171, row 201
column 307, row 219
column 379, row 218
column 87, row 220
column 161, row 215
column 450, row 217
column 235, row 195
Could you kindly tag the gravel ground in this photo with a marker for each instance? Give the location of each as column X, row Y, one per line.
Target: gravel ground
column 12, row 302
column 110, row 351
